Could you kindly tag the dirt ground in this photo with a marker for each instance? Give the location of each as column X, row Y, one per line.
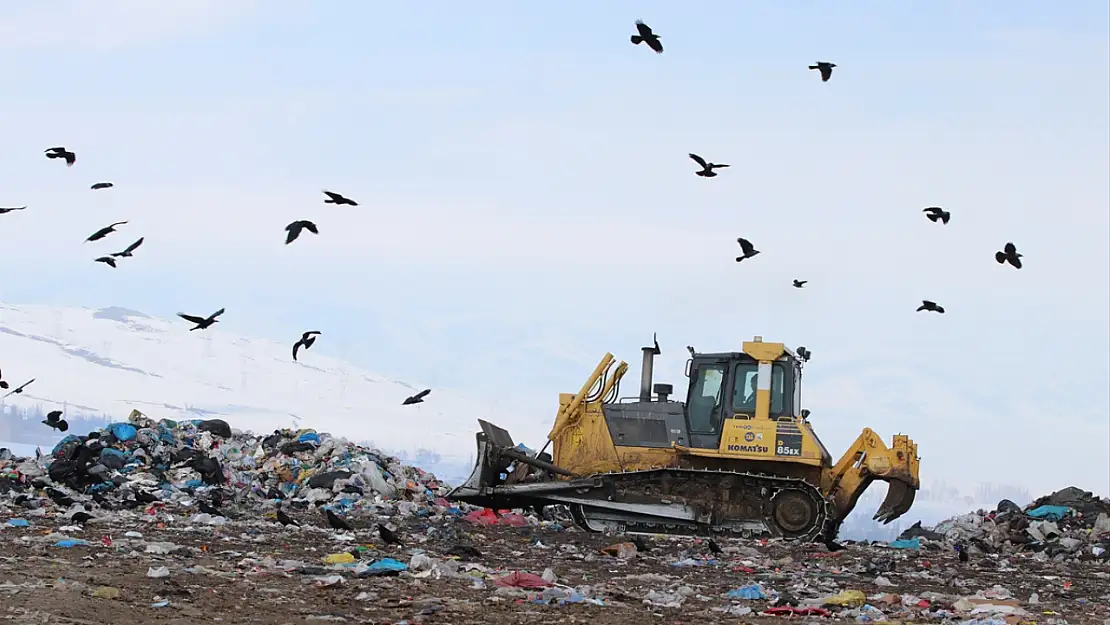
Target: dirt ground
column 44, row 584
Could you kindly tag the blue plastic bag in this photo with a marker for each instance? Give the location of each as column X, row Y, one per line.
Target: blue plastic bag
column 751, row 591
column 123, row 431
column 1051, row 513
column 907, row 543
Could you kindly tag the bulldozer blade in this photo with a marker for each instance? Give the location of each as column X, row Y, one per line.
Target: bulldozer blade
column 899, row 499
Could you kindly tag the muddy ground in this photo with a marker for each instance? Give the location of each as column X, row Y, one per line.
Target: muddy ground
column 44, row 584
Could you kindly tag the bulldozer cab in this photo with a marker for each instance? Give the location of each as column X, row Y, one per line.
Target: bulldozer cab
column 725, row 386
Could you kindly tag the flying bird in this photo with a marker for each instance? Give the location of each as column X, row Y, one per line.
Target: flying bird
column 646, row 36
column 202, row 322
column 60, row 152
column 102, row 185
column 129, row 252
column 826, row 69
column 103, row 232
column 935, row 212
column 107, row 260
column 335, row 521
column 306, row 341
column 4, row 211
column 1009, row 254
column 54, row 420
column 747, row 248
column 17, row 391
column 928, row 306
column 335, row 198
column 800, row 283
column 706, row 168
column 294, row 230
column 417, row 398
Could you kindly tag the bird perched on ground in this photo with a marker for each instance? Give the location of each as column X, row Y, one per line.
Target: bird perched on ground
column 55, row 421
column 714, row 547
column 825, row 68
column 417, row 398
column 335, row 198
column 706, row 167
column 294, row 229
column 747, row 248
column 335, row 522
column 935, row 212
column 129, row 251
column 833, row 546
column 961, row 552
column 102, row 185
column 80, row 517
column 646, row 36
column 4, row 211
column 1009, row 254
column 202, row 322
column 464, row 551
column 60, row 152
column 18, row 390
column 58, row 497
column 285, row 519
column 800, row 283
column 306, row 341
column 928, row 306
column 103, row 232
column 207, row 508
column 107, row 260
column 388, row 536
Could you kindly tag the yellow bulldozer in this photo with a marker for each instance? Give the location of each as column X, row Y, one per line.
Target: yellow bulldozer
column 738, row 457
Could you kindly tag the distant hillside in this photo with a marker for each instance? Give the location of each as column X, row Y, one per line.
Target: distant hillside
column 103, row 363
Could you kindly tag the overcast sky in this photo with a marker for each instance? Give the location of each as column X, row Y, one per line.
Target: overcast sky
column 527, row 203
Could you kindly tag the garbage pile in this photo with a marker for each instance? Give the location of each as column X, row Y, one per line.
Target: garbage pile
column 1069, row 524
column 142, row 461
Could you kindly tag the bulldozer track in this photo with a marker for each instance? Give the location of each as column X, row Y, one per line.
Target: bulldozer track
column 789, row 508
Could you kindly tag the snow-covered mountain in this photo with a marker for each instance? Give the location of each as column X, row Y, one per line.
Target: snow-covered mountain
column 112, row 360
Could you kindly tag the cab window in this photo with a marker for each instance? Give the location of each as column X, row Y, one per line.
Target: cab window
column 744, row 385
column 743, row 388
column 705, row 397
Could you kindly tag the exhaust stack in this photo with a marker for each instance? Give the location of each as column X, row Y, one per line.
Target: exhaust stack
column 646, row 369
column 646, row 373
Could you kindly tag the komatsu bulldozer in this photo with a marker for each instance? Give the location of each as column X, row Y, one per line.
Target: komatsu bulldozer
column 739, row 457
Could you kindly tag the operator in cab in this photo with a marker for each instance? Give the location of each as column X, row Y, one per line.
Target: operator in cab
column 748, row 401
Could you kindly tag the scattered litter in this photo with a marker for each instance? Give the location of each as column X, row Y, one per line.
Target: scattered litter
column 240, row 516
